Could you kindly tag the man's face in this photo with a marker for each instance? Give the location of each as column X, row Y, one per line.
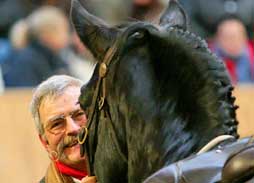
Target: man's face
column 62, row 119
column 232, row 38
column 56, row 37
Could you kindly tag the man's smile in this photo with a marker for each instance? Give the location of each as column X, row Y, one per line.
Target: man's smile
column 73, row 143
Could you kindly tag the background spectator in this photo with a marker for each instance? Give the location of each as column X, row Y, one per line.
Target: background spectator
column 18, row 34
column 48, row 33
column 205, row 14
column 232, row 45
column 17, row 41
column 78, row 58
column 147, row 10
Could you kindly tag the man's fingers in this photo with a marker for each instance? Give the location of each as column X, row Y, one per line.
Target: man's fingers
column 87, row 179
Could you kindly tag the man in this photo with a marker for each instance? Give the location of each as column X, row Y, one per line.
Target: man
column 58, row 119
column 231, row 44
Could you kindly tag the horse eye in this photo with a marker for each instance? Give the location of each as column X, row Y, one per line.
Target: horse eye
column 138, row 35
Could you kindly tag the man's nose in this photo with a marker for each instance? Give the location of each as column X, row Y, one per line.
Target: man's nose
column 72, row 128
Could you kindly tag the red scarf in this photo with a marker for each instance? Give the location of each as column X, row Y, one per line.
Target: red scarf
column 232, row 67
column 66, row 170
column 251, row 51
column 230, row 64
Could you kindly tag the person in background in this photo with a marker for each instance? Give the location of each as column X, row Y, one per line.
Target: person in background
column 17, row 41
column 47, row 33
column 78, row 58
column 18, row 34
column 231, row 44
column 204, row 14
column 148, row 10
column 58, row 119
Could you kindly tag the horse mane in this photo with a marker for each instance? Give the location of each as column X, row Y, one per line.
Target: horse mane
column 200, row 83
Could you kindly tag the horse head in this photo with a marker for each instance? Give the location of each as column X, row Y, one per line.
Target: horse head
column 163, row 95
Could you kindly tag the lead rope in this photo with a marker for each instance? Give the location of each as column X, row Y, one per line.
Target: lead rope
column 214, row 142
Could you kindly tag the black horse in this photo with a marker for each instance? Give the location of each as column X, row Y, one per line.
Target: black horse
column 161, row 95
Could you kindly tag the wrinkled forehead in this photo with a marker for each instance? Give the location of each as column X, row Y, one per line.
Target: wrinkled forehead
column 70, row 93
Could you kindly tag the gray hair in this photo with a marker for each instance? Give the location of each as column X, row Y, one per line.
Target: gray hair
column 50, row 88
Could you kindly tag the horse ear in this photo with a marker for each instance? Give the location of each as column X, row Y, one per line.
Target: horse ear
column 93, row 32
column 174, row 16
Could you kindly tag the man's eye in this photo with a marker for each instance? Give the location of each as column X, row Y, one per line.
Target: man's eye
column 57, row 124
column 79, row 115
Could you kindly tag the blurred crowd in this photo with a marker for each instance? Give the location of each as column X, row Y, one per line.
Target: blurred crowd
column 38, row 41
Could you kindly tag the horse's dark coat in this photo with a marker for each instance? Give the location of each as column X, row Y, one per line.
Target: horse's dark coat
column 166, row 96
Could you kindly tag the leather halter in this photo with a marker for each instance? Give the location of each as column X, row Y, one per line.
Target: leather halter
column 98, row 102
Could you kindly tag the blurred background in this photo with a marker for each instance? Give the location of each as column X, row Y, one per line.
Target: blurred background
column 37, row 41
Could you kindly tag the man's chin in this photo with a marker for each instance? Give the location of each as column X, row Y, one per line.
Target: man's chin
column 72, row 155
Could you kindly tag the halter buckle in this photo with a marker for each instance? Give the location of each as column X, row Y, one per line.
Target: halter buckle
column 101, row 102
column 103, row 70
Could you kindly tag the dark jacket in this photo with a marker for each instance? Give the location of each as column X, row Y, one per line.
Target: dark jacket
column 31, row 66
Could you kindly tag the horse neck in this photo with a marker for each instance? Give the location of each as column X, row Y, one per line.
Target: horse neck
column 171, row 135
column 172, row 122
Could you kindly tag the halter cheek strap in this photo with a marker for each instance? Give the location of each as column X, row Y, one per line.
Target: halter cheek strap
column 99, row 96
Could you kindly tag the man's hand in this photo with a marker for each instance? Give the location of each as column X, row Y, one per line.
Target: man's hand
column 87, row 179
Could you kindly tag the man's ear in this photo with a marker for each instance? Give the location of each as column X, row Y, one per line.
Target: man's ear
column 44, row 142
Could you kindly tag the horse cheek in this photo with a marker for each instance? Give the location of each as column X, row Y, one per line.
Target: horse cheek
column 107, row 154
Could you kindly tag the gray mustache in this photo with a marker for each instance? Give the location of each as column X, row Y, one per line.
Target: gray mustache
column 65, row 142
